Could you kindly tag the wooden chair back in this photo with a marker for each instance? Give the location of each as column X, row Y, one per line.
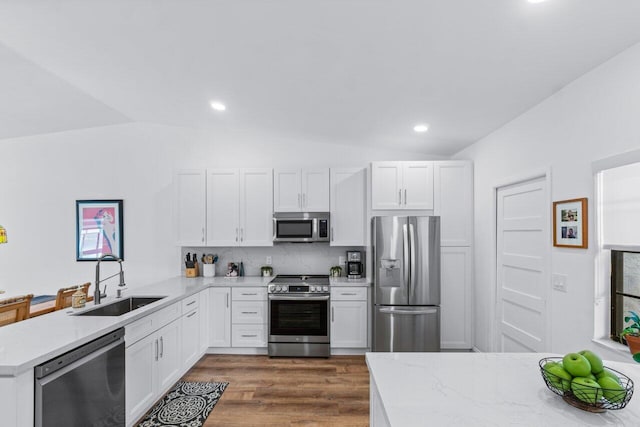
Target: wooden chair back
column 15, row 309
column 63, row 297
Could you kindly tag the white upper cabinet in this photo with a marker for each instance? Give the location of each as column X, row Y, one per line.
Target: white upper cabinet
column 190, row 207
column 453, row 202
column 301, row 190
column 348, row 214
column 239, row 207
column 223, row 205
column 402, row 185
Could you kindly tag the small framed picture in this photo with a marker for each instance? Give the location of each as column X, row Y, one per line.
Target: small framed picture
column 570, row 223
column 99, row 229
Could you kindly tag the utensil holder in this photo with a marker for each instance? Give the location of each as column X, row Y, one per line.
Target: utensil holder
column 208, row 270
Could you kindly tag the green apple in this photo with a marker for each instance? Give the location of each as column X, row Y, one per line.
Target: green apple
column 607, row 373
column 594, row 360
column 576, row 364
column 586, row 389
column 612, row 389
column 558, row 377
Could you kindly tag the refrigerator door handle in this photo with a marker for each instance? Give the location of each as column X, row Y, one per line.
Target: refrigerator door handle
column 410, row 312
column 405, row 257
column 412, row 263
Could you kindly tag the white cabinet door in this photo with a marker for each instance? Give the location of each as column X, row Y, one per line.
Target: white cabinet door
column 417, row 181
column 169, row 359
column 348, row 187
column 141, row 377
column 256, row 207
column 220, row 315
column 287, row 193
column 349, row 324
column 205, row 314
column 189, row 186
column 190, row 338
column 386, row 185
column 223, row 223
column 315, row 190
column 455, row 308
column 453, row 202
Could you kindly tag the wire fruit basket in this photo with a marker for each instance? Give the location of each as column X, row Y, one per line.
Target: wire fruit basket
column 585, row 397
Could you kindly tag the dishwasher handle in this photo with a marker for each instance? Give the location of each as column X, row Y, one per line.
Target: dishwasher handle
column 72, row 356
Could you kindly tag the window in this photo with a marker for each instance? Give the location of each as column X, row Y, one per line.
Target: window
column 625, row 288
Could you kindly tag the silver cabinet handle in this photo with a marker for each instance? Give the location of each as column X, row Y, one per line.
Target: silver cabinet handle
column 202, row 234
column 332, row 315
column 161, row 347
column 236, row 234
column 227, row 300
column 299, row 204
column 191, row 303
column 349, row 293
column 156, row 350
column 242, row 234
column 249, row 294
column 304, row 200
column 192, row 314
column 405, row 197
column 249, row 312
column 249, row 336
column 400, row 197
column 332, row 234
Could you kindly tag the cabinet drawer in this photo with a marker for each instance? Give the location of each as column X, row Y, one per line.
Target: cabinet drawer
column 249, row 312
column 249, row 293
column 151, row 323
column 249, row 336
column 190, row 303
column 349, row 294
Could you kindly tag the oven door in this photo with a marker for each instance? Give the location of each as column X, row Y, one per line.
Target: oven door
column 299, row 318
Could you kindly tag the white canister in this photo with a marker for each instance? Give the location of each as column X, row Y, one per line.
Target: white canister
column 208, row 270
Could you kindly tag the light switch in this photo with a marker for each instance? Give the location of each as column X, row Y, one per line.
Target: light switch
column 559, row 282
column 341, row 260
column 268, row 260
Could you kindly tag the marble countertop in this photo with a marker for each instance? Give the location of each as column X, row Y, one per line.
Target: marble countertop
column 482, row 389
column 343, row 281
column 26, row 344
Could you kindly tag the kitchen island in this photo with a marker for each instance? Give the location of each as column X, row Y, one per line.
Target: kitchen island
column 478, row 389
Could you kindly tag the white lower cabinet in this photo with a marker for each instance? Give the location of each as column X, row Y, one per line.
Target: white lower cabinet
column 349, row 317
column 220, row 317
column 191, row 331
column 152, row 365
column 249, row 317
column 456, row 304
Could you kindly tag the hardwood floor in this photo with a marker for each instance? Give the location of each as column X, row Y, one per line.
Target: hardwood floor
column 287, row 391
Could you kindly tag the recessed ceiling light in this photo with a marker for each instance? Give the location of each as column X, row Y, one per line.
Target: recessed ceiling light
column 421, row 128
column 218, row 106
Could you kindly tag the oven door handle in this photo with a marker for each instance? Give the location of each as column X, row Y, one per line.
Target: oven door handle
column 299, row 298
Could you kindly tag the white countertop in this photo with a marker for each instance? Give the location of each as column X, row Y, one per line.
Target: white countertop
column 26, row 344
column 482, row 389
column 343, row 281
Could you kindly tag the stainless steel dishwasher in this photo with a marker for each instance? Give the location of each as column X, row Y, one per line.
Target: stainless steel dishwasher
column 83, row 387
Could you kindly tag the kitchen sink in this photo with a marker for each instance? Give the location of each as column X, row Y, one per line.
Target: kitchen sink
column 120, row 307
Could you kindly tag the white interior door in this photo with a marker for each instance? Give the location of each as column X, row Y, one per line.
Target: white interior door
column 522, row 248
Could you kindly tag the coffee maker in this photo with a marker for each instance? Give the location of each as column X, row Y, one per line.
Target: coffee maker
column 355, row 267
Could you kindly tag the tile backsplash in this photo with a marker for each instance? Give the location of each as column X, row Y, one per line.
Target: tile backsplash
column 286, row 258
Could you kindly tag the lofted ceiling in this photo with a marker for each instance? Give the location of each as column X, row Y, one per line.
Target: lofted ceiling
column 360, row 72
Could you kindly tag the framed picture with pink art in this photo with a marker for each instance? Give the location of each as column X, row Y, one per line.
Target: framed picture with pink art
column 99, row 229
column 570, row 224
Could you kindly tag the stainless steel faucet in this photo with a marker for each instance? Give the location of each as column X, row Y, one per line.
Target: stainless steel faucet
column 97, row 295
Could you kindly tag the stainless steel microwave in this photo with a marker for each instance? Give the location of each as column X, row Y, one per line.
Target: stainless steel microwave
column 301, row 227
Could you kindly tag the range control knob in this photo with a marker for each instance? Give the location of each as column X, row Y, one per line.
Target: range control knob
column 272, row 288
column 312, row 288
column 325, row 288
column 278, row 288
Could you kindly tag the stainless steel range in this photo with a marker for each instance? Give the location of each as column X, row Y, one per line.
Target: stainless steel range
column 299, row 316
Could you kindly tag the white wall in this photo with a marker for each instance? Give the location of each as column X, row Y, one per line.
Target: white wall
column 42, row 176
column 592, row 118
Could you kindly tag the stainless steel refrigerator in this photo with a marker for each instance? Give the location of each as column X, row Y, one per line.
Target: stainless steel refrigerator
column 406, row 270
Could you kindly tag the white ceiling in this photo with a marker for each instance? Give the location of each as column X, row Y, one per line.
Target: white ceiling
column 345, row 71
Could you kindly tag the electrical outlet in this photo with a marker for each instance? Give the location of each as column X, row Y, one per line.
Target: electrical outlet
column 341, row 260
column 268, row 260
column 559, row 282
